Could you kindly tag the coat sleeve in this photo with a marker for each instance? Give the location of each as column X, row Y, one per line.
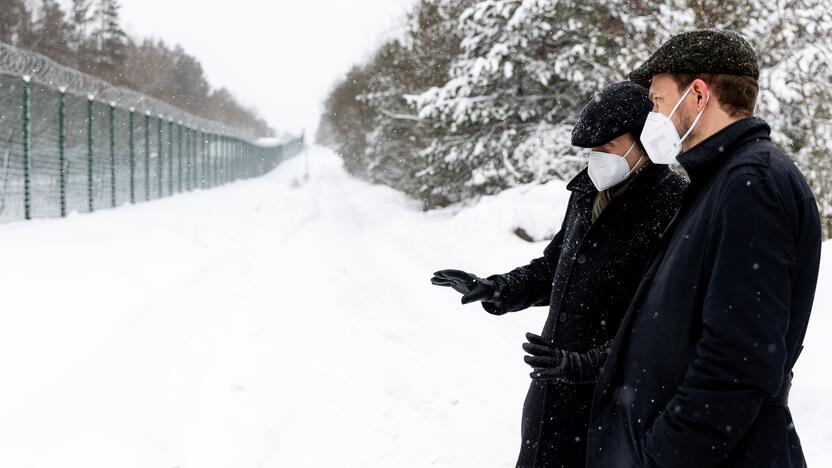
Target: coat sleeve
column 582, row 368
column 529, row 285
column 740, row 357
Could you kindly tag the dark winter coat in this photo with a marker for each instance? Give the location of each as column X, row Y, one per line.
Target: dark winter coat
column 587, row 276
column 700, row 370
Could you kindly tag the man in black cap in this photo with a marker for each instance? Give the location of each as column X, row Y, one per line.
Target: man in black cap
column 588, row 273
column 699, row 372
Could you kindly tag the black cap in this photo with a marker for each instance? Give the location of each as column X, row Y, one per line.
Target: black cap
column 618, row 109
column 716, row 51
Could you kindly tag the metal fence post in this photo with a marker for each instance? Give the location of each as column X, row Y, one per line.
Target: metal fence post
column 131, row 120
column 232, row 161
column 27, row 209
column 195, row 172
column 146, row 155
column 234, row 158
column 62, row 147
column 170, row 156
column 112, row 154
column 226, row 174
column 215, row 157
column 212, row 159
column 226, row 160
column 159, row 167
column 191, row 158
column 90, row 154
column 220, row 160
column 194, row 159
column 201, row 163
column 179, row 154
column 188, row 158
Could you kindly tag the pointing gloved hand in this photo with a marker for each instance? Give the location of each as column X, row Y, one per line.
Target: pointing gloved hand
column 552, row 363
column 472, row 287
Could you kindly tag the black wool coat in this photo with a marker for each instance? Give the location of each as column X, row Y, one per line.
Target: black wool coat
column 587, row 276
column 700, row 370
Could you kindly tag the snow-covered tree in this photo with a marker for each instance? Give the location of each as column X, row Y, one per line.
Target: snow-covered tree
column 795, row 44
column 527, row 67
column 481, row 95
column 526, row 70
column 367, row 117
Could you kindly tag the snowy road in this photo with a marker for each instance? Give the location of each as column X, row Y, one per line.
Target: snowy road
column 279, row 323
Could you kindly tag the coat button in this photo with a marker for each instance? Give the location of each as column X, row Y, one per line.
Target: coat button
column 581, row 259
column 562, row 317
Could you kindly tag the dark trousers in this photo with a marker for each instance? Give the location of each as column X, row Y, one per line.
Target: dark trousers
column 555, row 425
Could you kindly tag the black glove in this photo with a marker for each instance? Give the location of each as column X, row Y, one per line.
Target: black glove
column 552, row 363
column 472, row 287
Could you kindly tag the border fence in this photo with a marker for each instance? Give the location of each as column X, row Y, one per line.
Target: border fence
column 71, row 142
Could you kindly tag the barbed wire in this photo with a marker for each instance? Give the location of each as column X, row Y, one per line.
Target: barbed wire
column 40, row 69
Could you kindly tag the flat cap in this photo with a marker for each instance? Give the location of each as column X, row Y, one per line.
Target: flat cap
column 618, row 109
column 716, row 51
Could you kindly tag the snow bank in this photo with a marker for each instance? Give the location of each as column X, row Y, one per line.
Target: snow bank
column 277, row 322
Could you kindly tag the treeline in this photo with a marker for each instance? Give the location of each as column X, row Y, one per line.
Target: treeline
column 88, row 37
column 480, row 95
column 368, row 117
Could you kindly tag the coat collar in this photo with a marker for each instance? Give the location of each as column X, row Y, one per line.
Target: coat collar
column 581, row 183
column 704, row 160
column 646, row 176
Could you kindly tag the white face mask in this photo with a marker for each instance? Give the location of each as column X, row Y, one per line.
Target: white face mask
column 659, row 136
column 607, row 169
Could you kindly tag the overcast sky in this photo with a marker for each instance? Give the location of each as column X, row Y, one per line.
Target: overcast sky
column 280, row 56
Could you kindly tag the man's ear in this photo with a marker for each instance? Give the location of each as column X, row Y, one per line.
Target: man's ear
column 702, row 92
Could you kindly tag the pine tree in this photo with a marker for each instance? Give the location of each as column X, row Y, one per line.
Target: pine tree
column 370, row 120
column 53, row 32
column 795, row 49
column 110, row 40
column 81, row 45
column 526, row 69
column 15, row 23
column 190, row 88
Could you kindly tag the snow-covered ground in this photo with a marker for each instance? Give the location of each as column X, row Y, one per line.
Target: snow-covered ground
column 276, row 322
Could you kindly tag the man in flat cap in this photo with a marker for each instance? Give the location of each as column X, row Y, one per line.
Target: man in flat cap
column 699, row 373
column 588, row 273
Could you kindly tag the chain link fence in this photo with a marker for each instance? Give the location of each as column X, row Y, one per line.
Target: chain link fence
column 70, row 142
